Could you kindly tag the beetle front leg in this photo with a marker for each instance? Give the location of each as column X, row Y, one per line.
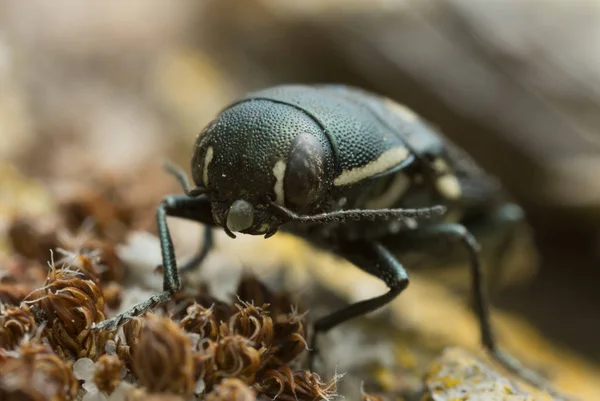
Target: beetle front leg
column 177, row 206
column 374, row 259
column 459, row 233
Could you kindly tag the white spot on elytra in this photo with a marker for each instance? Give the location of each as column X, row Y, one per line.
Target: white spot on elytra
column 404, row 112
column 447, row 184
column 395, row 191
column 279, row 173
column 342, row 201
column 207, row 159
column 387, row 160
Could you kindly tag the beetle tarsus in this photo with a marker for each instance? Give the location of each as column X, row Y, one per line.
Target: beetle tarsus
column 461, row 234
column 135, row 311
column 171, row 281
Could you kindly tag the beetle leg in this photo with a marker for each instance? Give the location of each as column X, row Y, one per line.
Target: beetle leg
column 463, row 236
column 178, row 206
column 375, row 259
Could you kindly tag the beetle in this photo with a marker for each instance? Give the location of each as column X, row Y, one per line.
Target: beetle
column 351, row 172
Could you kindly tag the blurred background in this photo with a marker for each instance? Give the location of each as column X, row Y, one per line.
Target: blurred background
column 112, row 89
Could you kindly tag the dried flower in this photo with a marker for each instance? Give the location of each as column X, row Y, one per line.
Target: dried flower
column 104, row 206
column 231, row 390
column 34, row 372
column 71, row 304
column 233, row 356
column 251, row 322
column 296, row 386
column 250, row 289
column 202, row 321
column 15, row 322
column 108, row 373
column 30, row 242
column 289, row 340
column 97, row 258
column 113, row 294
column 14, row 294
column 162, row 358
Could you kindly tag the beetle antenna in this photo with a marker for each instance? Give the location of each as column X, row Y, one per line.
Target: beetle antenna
column 181, row 176
column 342, row 216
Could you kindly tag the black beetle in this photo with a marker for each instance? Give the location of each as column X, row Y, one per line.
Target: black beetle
column 349, row 171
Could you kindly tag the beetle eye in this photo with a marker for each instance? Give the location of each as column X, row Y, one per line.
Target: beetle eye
column 304, row 182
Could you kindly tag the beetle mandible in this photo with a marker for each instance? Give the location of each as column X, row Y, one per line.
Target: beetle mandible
column 351, row 172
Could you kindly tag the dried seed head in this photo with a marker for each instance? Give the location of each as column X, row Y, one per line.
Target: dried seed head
column 104, row 206
column 131, row 335
column 286, row 385
column 97, row 258
column 107, row 373
column 34, row 372
column 30, row 242
column 162, row 358
column 182, row 301
column 71, row 303
column 113, row 294
column 13, row 294
column 251, row 322
column 15, row 322
column 202, row 321
column 233, row 356
column 231, row 390
column 250, row 289
column 289, row 339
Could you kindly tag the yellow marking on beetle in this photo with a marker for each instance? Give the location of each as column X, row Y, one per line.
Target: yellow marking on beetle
column 395, row 191
column 207, row 159
column 447, row 184
column 404, row 112
column 387, row 160
column 279, row 173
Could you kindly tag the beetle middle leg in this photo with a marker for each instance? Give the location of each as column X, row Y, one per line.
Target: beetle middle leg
column 197, row 209
column 460, row 234
column 375, row 259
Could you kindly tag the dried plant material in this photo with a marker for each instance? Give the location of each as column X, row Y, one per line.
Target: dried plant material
column 182, row 300
column 21, row 271
column 162, row 358
column 231, row 390
column 250, row 289
column 34, row 372
column 108, row 373
column 29, row 241
column 232, row 356
column 71, row 304
column 290, row 337
column 286, row 385
column 104, row 206
column 113, row 294
column 97, row 257
column 124, row 345
column 15, row 322
column 14, row 294
column 202, row 321
column 252, row 322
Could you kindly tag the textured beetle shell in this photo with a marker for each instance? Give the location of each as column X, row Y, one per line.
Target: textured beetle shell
column 357, row 130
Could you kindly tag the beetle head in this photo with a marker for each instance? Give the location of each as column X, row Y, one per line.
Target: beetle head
column 257, row 152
